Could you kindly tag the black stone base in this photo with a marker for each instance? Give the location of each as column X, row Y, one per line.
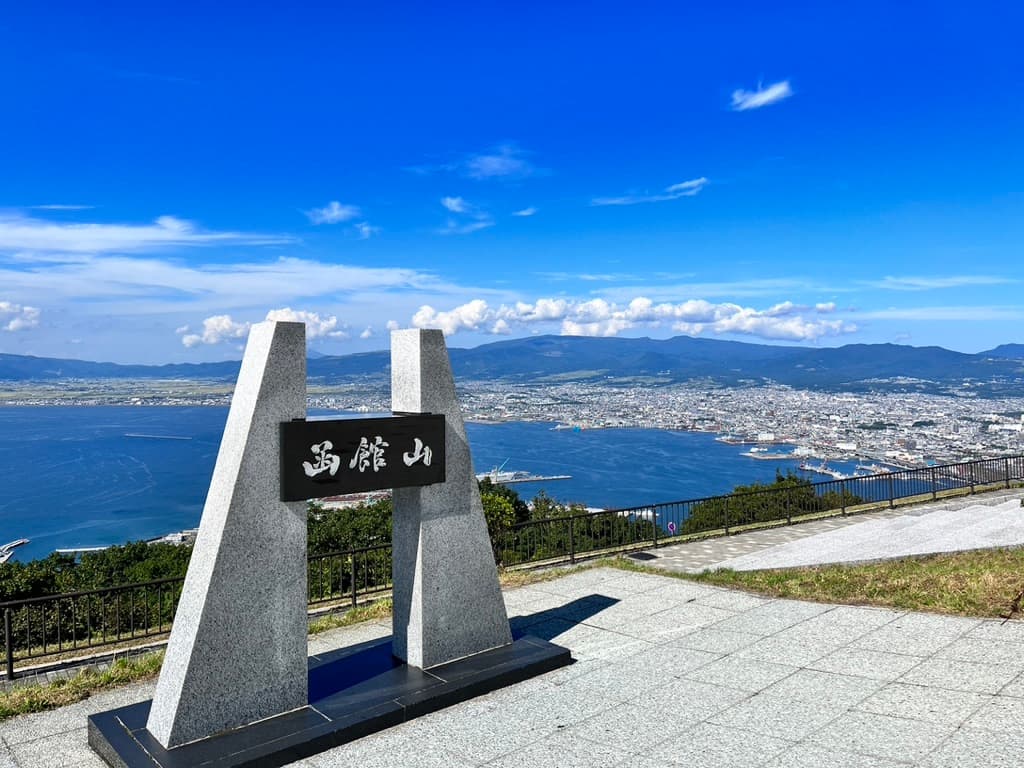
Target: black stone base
column 353, row 692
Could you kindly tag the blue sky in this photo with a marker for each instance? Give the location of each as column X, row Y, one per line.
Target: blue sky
column 804, row 173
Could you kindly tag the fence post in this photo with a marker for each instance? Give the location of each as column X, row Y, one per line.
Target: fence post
column 572, row 539
column 8, row 644
column 355, row 600
column 935, row 494
column 726, row 515
column 971, row 465
column 892, row 493
column 1006, row 469
column 842, row 496
column 654, row 522
column 789, row 512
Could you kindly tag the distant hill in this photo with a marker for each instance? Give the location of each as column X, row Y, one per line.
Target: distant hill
column 1008, row 351
column 545, row 359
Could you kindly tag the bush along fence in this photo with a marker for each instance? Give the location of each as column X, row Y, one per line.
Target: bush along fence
column 57, row 625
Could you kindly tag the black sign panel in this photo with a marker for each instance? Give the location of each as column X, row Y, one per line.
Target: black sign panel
column 329, row 458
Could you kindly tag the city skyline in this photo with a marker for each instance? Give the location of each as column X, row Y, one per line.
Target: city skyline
column 793, row 174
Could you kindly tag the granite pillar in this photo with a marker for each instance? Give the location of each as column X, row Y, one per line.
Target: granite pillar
column 237, row 652
column 447, row 600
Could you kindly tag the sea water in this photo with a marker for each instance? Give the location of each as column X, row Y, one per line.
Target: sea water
column 81, row 476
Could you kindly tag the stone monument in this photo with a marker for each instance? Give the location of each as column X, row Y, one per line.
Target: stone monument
column 236, row 688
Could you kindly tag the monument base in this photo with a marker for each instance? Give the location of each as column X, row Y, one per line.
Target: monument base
column 353, row 692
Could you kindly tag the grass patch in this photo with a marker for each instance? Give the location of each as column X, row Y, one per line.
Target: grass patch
column 379, row 609
column 23, row 700
column 982, row 583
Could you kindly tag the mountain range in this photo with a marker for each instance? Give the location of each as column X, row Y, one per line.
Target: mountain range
column 547, row 359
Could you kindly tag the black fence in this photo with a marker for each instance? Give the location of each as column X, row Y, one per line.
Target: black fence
column 566, row 538
column 59, row 624
column 72, row 622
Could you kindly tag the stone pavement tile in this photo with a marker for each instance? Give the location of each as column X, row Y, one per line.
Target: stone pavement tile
column 974, row 747
column 715, row 640
column 994, row 629
column 388, row 749
column 603, row 644
column 581, row 581
column 692, row 615
column 935, row 705
column 562, row 750
column 892, row 738
column 474, row 734
column 876, row 665
column 6, row 758
column 560, row 707
column 714, row 746
column 732, row 600
column 826, row 687
column 687, row 701
column 637, row 582
column 637, row 761
column 631, row 727
column 749, row 675
column 807, row 755
column 959, row 675
column 1014, row 688
column 1001, row 713
column 26, row 728
column 66, row 750
column 682, row 591
column 857, row 616
column 982, row 651
column 784, row 651
column 638, row 674
column 929, row 623
column 893, row 639
column 772, row 617
column 526, row 601
column 779, row 716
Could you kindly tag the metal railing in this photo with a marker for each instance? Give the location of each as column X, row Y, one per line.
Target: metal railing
column 56, row 625
column 568, row 537
column 49, row 626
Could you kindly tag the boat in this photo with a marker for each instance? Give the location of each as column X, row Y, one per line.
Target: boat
column 502, row 476
column 7, row 550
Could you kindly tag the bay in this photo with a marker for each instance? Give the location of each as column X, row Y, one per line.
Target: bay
column 98, row 475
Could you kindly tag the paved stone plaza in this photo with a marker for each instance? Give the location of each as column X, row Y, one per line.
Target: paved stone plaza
column 670, row 673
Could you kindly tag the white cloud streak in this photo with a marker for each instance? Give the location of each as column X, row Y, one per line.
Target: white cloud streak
column 334, row 213
column 743, row 100
column 33, row 235
column 505, row 161
column 684, row 189
column 456, row 204
column 219, row 329
column 598, row 317
column 525, row 212
column 17, row 317
column 932, row 283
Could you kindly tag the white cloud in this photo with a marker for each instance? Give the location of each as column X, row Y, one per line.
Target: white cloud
column 32, row 235
column 525, row 212
column 674, row 192
column 598, row 317
column 365, row 230
column 17, row 317
column 148, row 285
column 467, row 317
column 61, row 207
column 955, row 314
column 743, row 100
column 931, row 283
column 456, row 204
column 216, row 329
column 504, row 161
column 316, row 326
column 334, row 213
column 393, row 325
column 454, row 227
column 367, row 333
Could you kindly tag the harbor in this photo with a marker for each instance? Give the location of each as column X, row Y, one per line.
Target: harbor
column 7, row 550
